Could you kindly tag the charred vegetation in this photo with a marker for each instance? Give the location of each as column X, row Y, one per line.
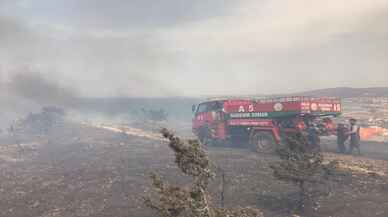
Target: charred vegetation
column 193, row 200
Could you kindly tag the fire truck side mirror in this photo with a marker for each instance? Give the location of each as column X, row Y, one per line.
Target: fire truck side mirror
column 193, row 108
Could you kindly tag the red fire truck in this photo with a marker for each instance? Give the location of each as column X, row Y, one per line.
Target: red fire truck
column 262, row 123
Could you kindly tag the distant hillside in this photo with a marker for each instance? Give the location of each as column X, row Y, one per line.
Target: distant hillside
column 177, row 107
column 347, row 92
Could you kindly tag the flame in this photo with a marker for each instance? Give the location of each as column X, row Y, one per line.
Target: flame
column 367, row 133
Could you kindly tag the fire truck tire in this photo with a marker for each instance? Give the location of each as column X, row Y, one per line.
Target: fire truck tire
column 204, row 135
column 263, row 142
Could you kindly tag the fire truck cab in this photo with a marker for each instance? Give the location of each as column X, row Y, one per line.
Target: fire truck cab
column 262, row 123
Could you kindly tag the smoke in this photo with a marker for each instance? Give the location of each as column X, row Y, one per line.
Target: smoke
column 38, row 89
column 7, row 28
column 98, row 63
column 191, row 48
column 23, row 93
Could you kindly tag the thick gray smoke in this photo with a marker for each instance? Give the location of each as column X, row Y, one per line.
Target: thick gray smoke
column 190, row 48
column 40, row 90
column 28, row 92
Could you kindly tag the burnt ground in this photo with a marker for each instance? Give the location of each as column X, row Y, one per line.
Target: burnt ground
column 80, row 170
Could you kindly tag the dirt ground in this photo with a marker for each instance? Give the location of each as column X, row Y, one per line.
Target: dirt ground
column 80, row 170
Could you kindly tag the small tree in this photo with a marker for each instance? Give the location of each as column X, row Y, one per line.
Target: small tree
column 302, row 166
column 193, row 200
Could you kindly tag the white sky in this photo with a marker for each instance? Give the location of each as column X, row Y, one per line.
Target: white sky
column 175, row 47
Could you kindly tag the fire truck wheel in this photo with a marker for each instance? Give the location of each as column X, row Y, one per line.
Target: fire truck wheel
column 263, row 142
column 204, row 136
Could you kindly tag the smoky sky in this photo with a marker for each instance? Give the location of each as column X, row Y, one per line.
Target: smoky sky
column 34, row 87
column 131, row 14
column 192, row 48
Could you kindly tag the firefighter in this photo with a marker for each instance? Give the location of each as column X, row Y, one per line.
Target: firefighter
column 354, row 134
column 342, row 136
column 313, row 136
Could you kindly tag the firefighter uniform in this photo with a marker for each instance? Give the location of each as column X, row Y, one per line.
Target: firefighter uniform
column 354, row 137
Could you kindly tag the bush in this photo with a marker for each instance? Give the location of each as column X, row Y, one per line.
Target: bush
column 301, row 166
column 193, row 200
